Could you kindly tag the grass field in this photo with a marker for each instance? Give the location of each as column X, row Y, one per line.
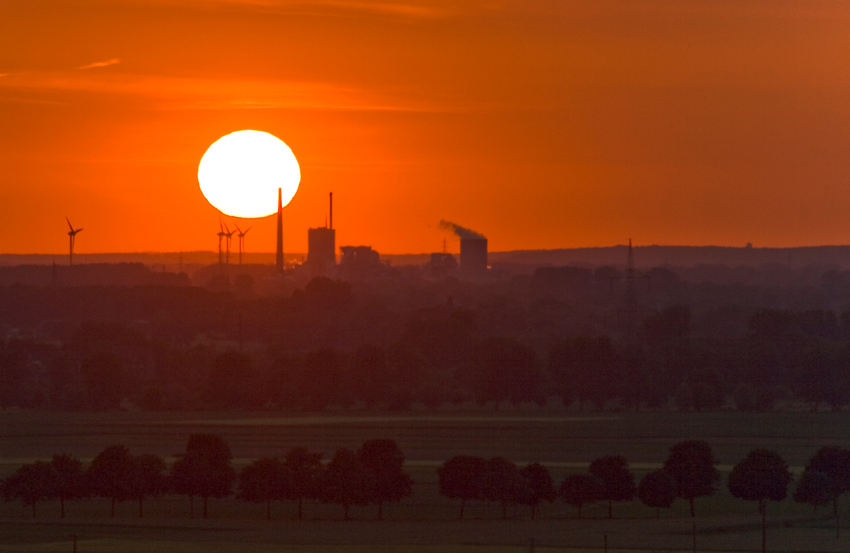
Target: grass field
column 426, row 521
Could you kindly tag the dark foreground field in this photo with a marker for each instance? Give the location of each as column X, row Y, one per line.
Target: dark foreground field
column 425, row 522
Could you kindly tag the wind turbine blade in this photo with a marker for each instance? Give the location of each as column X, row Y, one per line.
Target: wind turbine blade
column 237, row 228
column 246, row 231
column 220, row 224
column 69, row 223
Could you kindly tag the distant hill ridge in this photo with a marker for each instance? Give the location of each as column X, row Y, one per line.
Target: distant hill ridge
column 645, row 256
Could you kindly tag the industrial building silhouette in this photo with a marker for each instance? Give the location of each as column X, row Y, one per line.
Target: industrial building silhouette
column 363, row 261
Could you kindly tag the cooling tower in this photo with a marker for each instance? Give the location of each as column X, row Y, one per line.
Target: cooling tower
column 473, row 257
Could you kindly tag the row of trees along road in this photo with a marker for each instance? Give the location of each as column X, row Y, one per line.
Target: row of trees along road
column 689, row 472
column 370, row 475
column 373, row 474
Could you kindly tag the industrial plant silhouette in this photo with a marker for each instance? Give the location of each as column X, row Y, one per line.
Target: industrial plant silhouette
column 358, row 261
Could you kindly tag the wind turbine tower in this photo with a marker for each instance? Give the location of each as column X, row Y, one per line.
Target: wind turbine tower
column 221, row 234
column 228, row 235
column 241, row 236
column 71, row 235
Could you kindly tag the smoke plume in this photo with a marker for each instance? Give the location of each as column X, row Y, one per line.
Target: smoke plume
column 463, row 232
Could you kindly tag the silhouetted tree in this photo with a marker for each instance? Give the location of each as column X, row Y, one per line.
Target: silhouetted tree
column 618, row 482
column 707, row 389
column 684, row 397
column 539, row 486
column 347, row 481
column 672, row 324
column 691, row 464
column 657, row 489
column 745, row 397
column 231, row 384
column 327, row 293
column 369, row 374
column 816, row 488
column 13, row 374
column 147, row 478
column 502, row 483
column 835, row 463
column 634, row 381
column 580, row 489
column 505, row 369
column 70, row 479
column 103, row 374
column 263, row 481
column 385, row 461
column 762, row 476
column 406, row 367
column 462, row 477
column 110, row 474
column 443, row 342
column 325, row 381
column 303, row 472
column 835, row 378
column 204, row 470
column 585, row 368
column 31, row 483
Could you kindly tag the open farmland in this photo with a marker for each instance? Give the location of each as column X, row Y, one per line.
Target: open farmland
column 426, row 521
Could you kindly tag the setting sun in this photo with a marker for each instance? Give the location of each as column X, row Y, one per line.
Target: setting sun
column 241, row 173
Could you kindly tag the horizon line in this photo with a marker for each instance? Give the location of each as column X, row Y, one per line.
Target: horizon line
column 624, row 245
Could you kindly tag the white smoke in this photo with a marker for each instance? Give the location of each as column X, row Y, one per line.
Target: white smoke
column 463, row 232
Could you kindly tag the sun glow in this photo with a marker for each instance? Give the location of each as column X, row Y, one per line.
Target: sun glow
column 242, row 171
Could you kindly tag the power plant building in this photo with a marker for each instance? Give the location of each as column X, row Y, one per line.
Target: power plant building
column 321, row 250
column 321, row 245
column 473, row 257
column 440, row 265
column 358, row 262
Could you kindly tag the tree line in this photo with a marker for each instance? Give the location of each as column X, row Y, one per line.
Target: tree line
column 442, row 358
column 374, row 474
column 393, row 344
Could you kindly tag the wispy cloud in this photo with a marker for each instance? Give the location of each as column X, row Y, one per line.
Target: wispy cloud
column 113, row 61
column 33, row 101
column 322, row 7
column 159, row 92
column 386, row 8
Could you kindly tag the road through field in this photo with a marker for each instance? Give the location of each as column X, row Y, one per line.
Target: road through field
column 566, row 442
column 555, row 437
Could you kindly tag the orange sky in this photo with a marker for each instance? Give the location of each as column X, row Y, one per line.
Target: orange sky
column 540, row 124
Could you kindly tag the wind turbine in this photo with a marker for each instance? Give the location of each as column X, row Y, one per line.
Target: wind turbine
column 228, row 235
column 71, row 235
column 241, row 240
column 221, row 234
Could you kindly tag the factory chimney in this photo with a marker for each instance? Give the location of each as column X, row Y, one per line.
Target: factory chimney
column 279, row 257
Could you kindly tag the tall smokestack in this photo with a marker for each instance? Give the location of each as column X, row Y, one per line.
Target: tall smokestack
column 279, row 258
column 332, row 211
column 473, row 250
